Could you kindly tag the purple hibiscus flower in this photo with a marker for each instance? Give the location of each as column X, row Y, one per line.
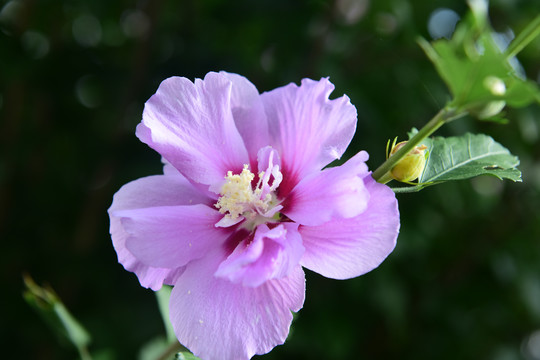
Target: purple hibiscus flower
column 244, row 203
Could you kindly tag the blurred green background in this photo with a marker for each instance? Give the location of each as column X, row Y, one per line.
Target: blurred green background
column 464, row 280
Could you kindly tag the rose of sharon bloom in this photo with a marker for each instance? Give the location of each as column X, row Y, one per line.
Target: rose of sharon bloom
column 244, row 203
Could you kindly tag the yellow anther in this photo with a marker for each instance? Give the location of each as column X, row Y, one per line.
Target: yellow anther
column 238, row 195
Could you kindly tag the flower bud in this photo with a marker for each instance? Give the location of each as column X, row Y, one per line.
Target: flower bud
column 411, row 166
column 488, row 110
column 497, row 87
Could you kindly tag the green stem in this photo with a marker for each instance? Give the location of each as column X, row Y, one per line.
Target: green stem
column 385, row 178
column 444, row 115
column 409, row 189
column 162, row 296
column 524, row 38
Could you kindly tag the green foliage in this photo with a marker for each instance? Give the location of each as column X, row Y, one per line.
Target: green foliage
column 465, row 157
column 471, row 63
column 45, row 301
column 479, row 73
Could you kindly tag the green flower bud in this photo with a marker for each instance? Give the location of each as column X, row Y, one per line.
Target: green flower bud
column 497, row 87
column 488, row 110
column 411, row 166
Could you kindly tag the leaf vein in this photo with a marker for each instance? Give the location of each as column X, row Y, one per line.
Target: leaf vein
column 471, row 159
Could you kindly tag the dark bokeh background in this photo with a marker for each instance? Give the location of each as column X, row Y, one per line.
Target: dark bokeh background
column 464, row 280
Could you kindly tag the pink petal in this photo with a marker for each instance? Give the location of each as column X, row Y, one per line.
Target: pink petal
column 147, row 192
column 219, row 320
column 268, row 254
column 248, row 113
column 204, row 190
column 192, row 126
column 347, row 248
column 333, row 193
column 307, row 128
column 168, row 169
column 171, row 236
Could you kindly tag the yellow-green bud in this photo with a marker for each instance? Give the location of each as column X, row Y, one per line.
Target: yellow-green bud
column 411, row 166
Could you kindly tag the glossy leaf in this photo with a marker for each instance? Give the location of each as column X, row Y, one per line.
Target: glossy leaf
column 468, row 156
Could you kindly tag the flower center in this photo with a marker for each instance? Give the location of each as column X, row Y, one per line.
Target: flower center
column 239, row 200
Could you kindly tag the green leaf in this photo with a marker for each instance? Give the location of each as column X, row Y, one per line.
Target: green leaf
column 45, row 301
column 467, row 156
